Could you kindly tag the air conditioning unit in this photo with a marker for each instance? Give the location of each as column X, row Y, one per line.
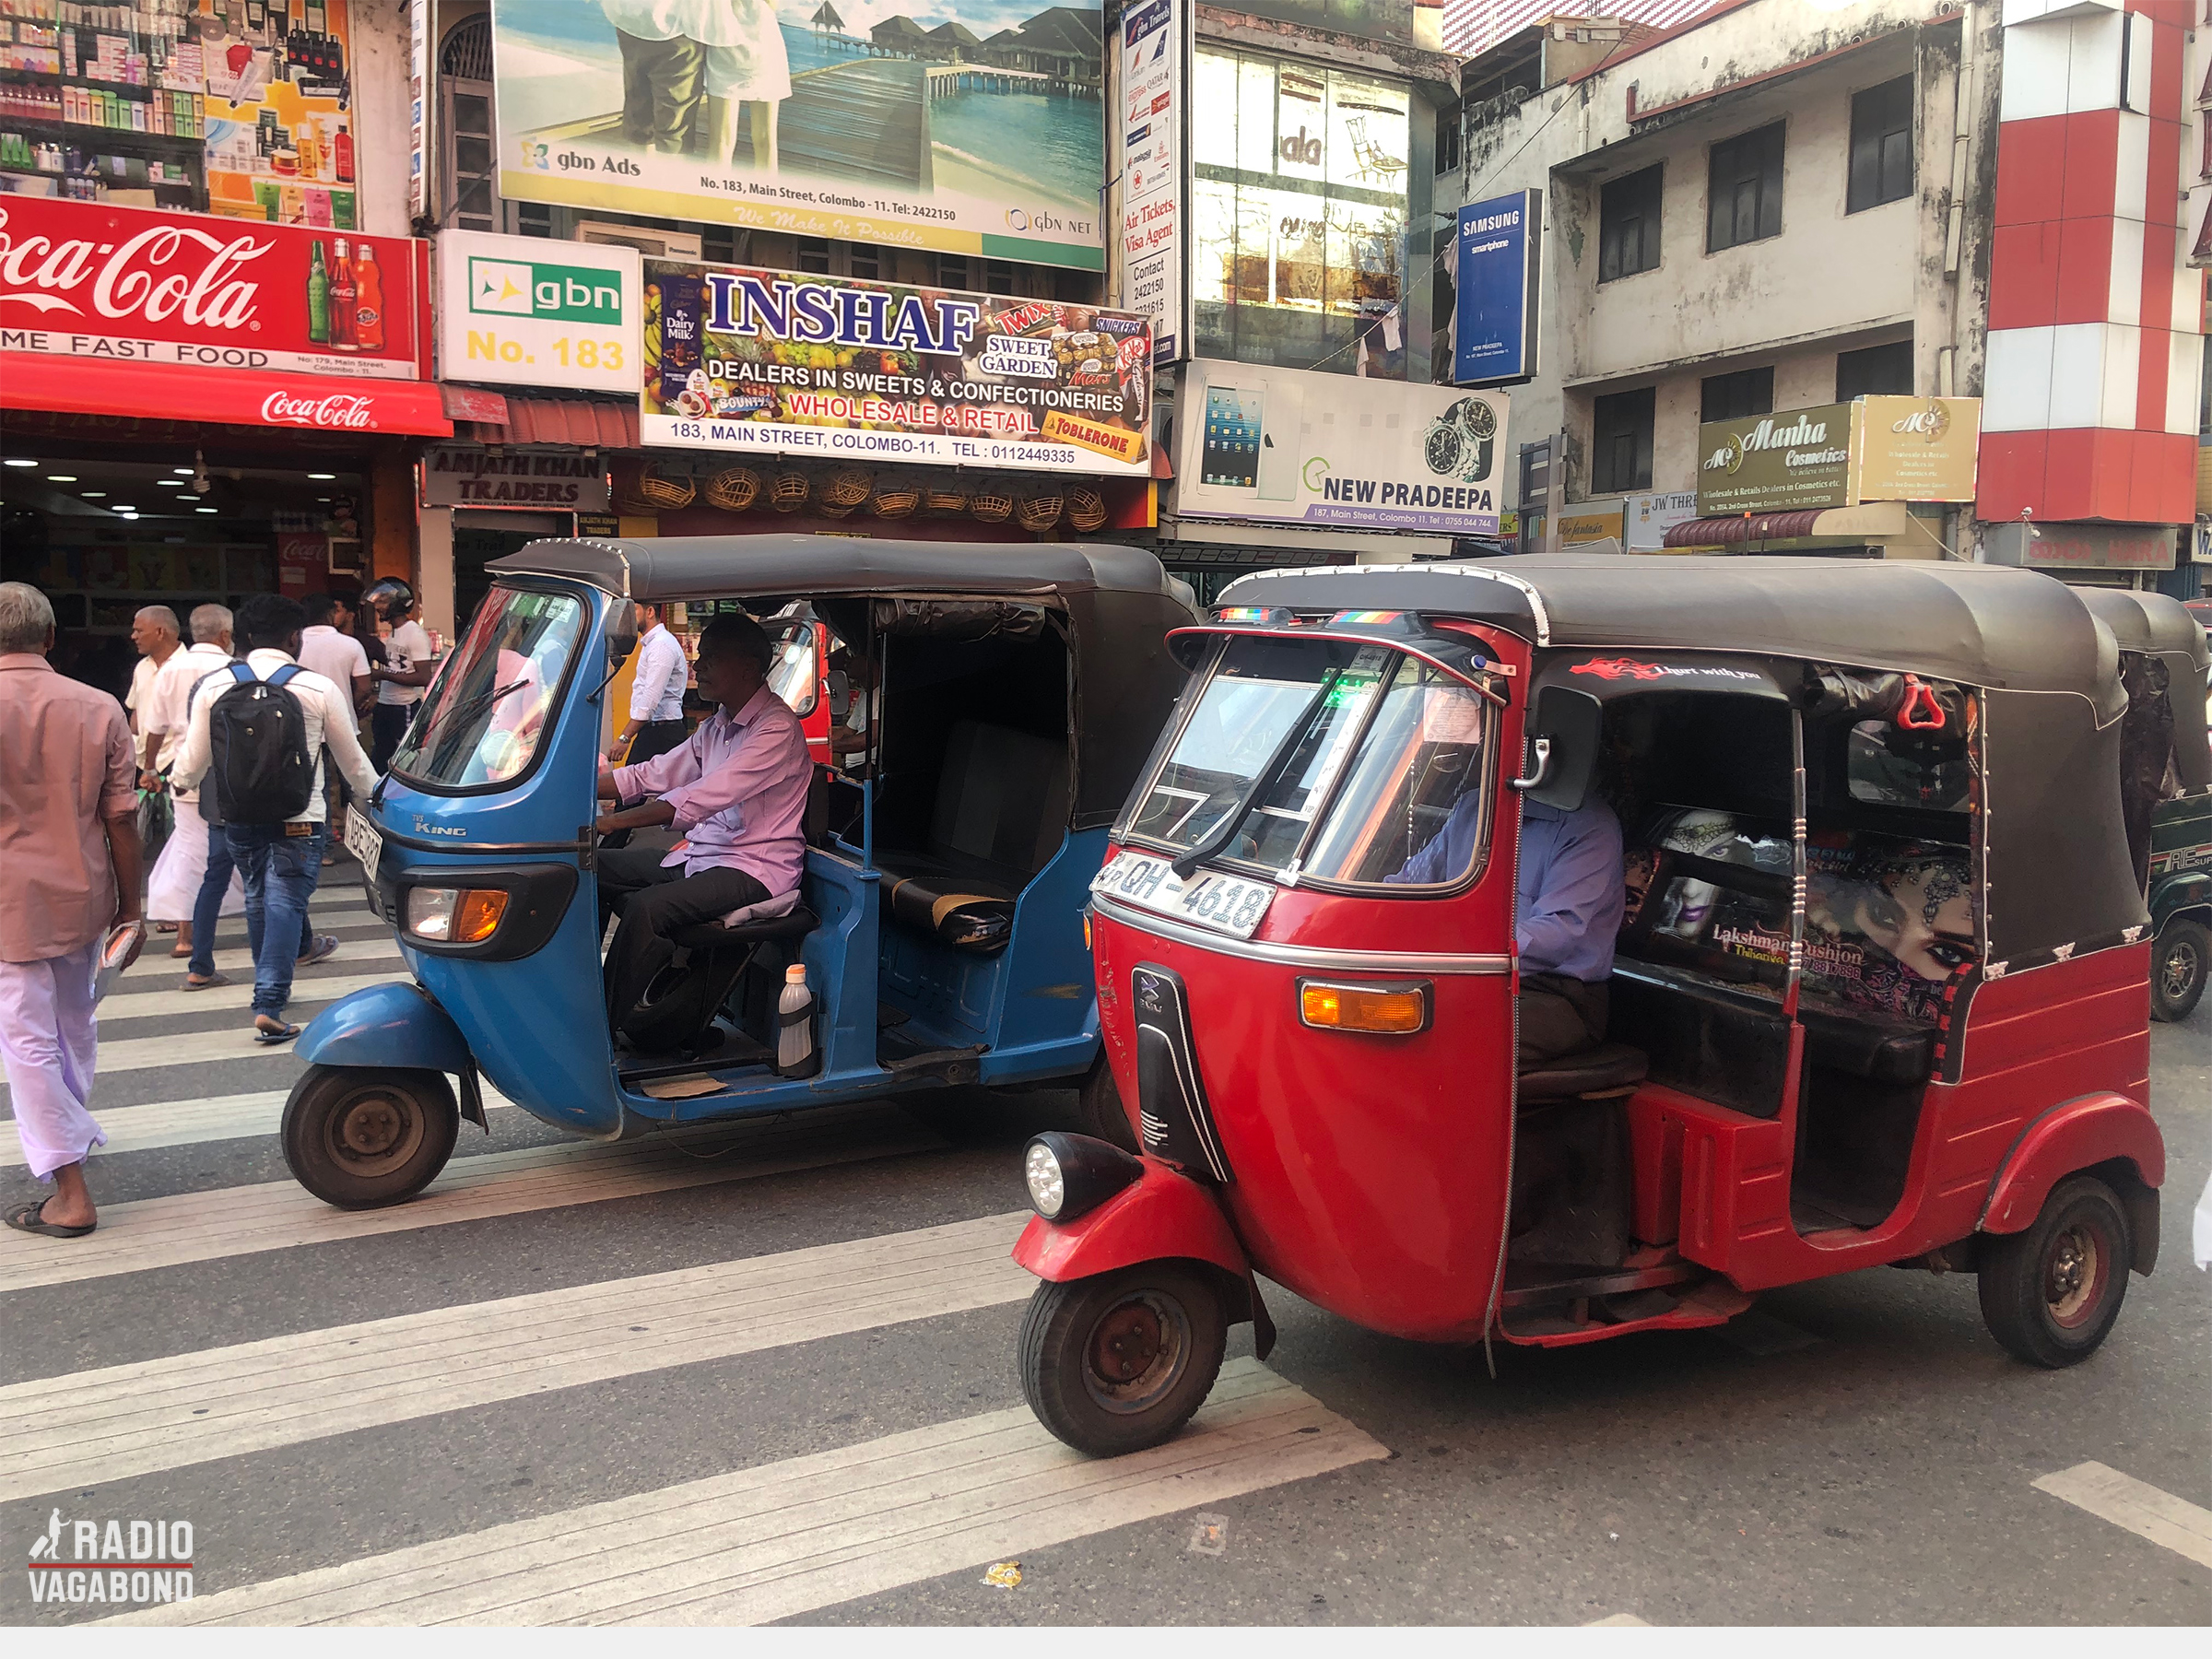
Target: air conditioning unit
column 654, row 244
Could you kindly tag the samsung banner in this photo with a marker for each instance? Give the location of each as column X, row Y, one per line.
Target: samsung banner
column 1292, row 446
column 1501, row 249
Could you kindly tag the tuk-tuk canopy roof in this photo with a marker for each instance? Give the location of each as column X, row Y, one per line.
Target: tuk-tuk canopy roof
column 2153, row 625
column 713, row 567
column 1979, row 625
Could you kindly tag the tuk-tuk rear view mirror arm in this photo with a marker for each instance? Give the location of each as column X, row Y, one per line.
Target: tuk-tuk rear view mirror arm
column 1263, row 781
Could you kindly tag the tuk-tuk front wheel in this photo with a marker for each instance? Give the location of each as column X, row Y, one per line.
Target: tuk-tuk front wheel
column 362, row 1139
column 2178, row 962
column 1099, row 1104
column 1119, row 1363
column 2050, row 1294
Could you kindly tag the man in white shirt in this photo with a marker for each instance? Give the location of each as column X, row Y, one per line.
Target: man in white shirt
column 154, row 631
column 173, row 890
column 328, row 647
column 280, row 862
column 401, row 677
column 656, row 696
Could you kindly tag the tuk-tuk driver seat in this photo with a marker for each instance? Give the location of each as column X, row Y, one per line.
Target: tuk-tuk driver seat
column 1610, row 1069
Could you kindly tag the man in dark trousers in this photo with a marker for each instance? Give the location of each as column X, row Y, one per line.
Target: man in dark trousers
column 737, row 789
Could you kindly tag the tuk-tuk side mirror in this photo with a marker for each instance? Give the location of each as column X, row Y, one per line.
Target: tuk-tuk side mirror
column 1563, row 732
column 621, row 632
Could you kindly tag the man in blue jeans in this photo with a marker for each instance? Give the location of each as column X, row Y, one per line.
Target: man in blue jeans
column 206, row 914
column 282, row 862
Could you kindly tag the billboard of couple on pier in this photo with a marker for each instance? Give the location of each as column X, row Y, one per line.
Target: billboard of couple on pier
column 977, row 129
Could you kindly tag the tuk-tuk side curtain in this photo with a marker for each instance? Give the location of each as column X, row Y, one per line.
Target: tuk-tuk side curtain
column 2057, row 863
column 1126, row 684
column 2186, row 704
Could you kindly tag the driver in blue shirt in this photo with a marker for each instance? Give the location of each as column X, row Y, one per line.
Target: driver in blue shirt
column 1571, row 898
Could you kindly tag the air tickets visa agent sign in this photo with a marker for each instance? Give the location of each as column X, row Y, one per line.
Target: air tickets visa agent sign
column 520, row 311
column 1494, row 324
column 766, row 360
column 1290, row 446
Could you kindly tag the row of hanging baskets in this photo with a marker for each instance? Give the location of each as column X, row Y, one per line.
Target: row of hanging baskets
column 840, row 492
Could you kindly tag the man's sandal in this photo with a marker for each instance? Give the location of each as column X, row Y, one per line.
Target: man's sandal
column 25, row 1218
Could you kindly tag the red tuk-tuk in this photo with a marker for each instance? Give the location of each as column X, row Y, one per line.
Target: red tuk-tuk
column 1879, row 997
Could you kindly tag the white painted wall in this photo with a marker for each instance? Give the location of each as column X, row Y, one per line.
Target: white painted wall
column 381, row 110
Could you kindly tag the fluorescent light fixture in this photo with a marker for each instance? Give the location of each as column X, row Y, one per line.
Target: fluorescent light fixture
column 319, row 477
column 95, row 495
column 203, row 510
column 18, row 461
column 61, row 478
column 181, row 471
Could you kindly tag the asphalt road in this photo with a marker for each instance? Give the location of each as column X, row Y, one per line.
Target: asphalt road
column 771, row 1377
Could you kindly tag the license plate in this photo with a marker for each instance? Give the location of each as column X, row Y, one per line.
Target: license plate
column 1227, row 904
column 363, row 842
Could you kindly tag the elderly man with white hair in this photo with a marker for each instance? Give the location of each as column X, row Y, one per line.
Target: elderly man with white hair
column 174, row 890
column 69, row 845
column 155, row 632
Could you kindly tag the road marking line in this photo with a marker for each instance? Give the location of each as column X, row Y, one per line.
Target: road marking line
column 376, row 943
column 192, row 1409
column 1620, row 1621
column 279, row 1215
column 197, row 1048
column 149, row 1005
column 788, row 1538
column 190, row 1123
column 2143, row 1510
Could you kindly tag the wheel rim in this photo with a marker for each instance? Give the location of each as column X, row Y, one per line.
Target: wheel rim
column 2075, row 1265
column 374, row 1131
column 2179, row 970
column 1136, row 1352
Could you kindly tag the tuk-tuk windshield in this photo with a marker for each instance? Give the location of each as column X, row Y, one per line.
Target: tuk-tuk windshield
column 1380, row 772
column 490, row 705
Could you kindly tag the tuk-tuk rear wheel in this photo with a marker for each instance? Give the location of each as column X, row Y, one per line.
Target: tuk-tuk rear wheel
column 2178, row 960
column 1099, row 1104
column 362, row 1139
column 1119, row 1363
column 2050, row 1294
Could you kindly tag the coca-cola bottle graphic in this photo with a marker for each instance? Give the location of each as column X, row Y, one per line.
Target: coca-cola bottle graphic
column 344, row 297
column 368, row 300
column 318, row 298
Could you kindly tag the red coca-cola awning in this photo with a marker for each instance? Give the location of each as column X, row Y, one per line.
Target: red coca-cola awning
column 316, row 402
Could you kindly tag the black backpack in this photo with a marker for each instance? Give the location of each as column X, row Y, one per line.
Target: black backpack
column 260, row 765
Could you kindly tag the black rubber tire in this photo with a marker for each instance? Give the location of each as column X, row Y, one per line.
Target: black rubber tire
column 1065, row 1323
column 1098, row 1105
column 362, row 1139
column 2050, row 1294
column 2178, row 960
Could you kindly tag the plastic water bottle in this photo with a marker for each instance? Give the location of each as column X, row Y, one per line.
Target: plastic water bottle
column 795, row 1019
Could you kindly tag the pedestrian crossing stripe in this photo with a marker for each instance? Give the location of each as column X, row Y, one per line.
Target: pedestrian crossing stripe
column 166, row 1005
column 201, row 1048
column 374, row 942
column 75, row 1430
column 2140, row 1508
column 233, row 1221
column 785, row 1538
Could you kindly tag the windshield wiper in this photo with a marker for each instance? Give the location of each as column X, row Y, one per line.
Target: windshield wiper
column 476, row 704
column 1263, row 781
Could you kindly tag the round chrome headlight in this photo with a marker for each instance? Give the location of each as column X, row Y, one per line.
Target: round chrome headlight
column 1048, row 1187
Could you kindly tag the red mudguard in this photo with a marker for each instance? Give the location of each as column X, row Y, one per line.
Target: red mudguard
column 1164, row 1215
column 2085, row 1131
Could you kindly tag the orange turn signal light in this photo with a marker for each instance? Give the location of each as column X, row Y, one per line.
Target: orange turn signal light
column 1391, row 1010
column 477, row 917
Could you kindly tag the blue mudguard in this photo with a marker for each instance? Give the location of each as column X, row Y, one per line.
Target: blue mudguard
column 395, row 1025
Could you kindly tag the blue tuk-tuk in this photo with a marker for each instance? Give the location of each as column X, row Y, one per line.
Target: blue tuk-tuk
column 939, row 921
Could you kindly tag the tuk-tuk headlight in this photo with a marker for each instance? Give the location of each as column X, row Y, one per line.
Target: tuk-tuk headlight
column 454, row 915
column 1070, row 1175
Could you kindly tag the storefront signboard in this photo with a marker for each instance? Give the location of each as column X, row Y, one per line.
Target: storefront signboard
column 1648, row 518
column 1916, row 448
column 1285, row 445
column 766, row 360
column 1149, row 91
column 565, row 481
column 1494, row 325
column 520, row 311
column 2062, row 547
column 980, row 136
column 1588, row 521
column 124, row 284
column 1776, row 463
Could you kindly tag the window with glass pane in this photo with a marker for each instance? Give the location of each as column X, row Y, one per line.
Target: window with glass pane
column 1875, row 371
column 472, row 197
column 1881, row 145
column 1411, row 810
column 1620, row 441
column 491, row 703
column 1746, row 391
column 1744, row 200
column 1628, row 236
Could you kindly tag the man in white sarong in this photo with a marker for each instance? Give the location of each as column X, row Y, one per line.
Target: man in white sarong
column 177, row 873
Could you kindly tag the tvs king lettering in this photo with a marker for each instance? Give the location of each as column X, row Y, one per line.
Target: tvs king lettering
column 131, row 278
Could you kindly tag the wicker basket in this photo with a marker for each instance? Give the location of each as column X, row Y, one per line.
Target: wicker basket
column 789, row 491
column 848, row 486
column 663, row 493
column 1085, row 508
column 944, row 497
column 991, row 505
column 1038, row 512
column 835, row 510
column 734, row 489
column 894, row 499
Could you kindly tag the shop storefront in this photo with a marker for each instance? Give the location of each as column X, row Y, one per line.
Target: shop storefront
column 193, row 409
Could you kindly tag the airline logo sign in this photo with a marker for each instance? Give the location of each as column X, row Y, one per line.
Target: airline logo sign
column 510, row 316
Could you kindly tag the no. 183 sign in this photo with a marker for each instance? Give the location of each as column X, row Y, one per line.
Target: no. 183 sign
column 521, row 310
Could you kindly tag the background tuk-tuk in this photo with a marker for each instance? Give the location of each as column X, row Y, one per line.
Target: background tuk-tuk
column 2165, row 783
column 939, row 920
column 1878, row 997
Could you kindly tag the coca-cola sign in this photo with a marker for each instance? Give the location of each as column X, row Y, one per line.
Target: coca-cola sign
column 341, row 412
column 80, row 279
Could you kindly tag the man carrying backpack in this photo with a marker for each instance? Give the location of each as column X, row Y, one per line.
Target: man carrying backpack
column 257, row 737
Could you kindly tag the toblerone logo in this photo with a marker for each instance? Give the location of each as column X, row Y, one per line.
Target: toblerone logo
column 1063, row 428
